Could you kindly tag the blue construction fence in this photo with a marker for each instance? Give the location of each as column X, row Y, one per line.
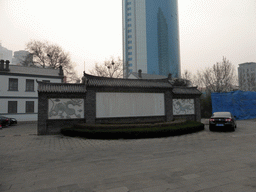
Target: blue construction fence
column 241, row 104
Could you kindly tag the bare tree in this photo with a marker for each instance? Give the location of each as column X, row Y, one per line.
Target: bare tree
column 187, row 75
column 26, row 60
column 52, row 56
column 112, row 68
column 220, row 77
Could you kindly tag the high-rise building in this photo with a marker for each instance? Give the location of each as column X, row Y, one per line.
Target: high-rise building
column 22, row 57
column 5, row 54
column 247, row 76
column 151, row 37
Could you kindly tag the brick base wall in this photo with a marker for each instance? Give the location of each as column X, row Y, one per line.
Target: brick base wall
column 187, row 117
column 131, row 120
column 54, row 126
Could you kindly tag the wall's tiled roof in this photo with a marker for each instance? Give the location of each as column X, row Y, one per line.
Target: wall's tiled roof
column 186, row 91
column 115, row 82
column 95, row 81
column 61, row 87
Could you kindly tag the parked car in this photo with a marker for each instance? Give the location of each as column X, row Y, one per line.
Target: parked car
column 222, row 121
column 4, row 121
column 13, row 121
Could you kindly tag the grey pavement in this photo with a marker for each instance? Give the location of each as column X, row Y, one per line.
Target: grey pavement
column 204, row 161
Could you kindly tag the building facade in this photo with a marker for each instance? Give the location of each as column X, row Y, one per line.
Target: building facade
column 247, row 76
column 100, row 100
column 151, row 37
column 18, row 89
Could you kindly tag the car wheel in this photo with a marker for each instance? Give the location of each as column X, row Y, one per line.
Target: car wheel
column 210, row 128
column 233, row 128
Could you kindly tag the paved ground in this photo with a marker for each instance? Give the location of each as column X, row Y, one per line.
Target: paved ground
column 204, row 161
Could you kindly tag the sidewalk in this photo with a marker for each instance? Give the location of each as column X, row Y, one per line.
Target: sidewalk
column 20, row 129
column 204, row 161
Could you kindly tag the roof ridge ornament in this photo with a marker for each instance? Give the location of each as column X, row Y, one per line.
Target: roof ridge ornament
column 85, row 79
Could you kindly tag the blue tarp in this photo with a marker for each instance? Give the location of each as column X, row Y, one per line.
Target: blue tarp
column 241, row 104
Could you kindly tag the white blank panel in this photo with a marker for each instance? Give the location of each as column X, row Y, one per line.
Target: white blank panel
column 129, row 104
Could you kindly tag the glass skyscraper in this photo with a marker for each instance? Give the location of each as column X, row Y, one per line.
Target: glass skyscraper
column 151, row 37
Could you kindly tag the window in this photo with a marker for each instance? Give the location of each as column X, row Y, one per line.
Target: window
column 129, row 36
column 129, row 3
column 13, row 84
column 12, row 106
column 129, row 59
column 29, row 85
column 29, row 106
column 129, row 42
column 129, row 31
column 129, row 19
column 129, row 53
column 130, row 71
column 46, row 81
column 130, row 47
column 130, row 65
column 129, row 14
column 129, row 8
column 129, row 25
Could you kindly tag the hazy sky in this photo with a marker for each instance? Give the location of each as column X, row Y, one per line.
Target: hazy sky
column 91, row 30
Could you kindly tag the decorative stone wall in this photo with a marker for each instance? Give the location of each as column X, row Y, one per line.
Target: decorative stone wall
column 62, row 105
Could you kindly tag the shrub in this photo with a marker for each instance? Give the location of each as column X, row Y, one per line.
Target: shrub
column 133, row 131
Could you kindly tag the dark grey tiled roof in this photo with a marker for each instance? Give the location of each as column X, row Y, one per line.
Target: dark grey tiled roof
column 95, row 81
column 115, row 82
column 61, row 87
column 34, row 70
column 186, row 91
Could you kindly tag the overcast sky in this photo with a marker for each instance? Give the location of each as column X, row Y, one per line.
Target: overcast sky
column 91, row 30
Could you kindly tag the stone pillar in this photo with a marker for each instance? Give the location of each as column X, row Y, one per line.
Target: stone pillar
column 168, row 105
column 90, row 107
column 42, row 114
column 198, row 109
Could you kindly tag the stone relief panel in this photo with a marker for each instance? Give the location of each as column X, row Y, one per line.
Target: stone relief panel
column 65, row 108
column 183, row 107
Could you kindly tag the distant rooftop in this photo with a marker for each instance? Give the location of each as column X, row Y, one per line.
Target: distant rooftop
column 33, row 70
column 146, row 76
column 248, row 63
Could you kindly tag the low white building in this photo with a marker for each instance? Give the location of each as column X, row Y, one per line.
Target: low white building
column 18, row 89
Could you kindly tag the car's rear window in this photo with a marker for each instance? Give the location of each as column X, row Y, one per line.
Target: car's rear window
column 222, row 114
